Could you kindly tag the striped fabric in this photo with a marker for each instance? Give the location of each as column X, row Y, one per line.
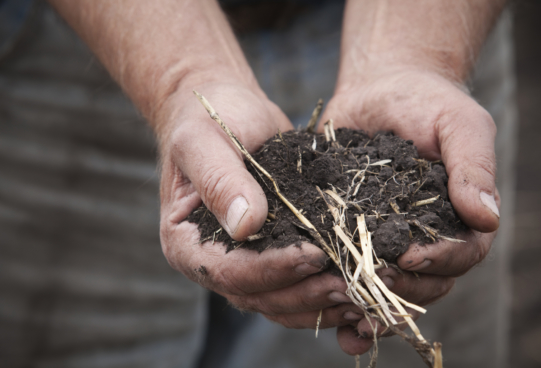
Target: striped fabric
column 83, row 282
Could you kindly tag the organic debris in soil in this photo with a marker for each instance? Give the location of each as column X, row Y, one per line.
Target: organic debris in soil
column 404, row 198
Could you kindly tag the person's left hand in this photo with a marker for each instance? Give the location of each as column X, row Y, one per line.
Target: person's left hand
column 446, row 124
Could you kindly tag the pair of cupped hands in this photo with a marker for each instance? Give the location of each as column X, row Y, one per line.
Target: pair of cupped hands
column 289, row 286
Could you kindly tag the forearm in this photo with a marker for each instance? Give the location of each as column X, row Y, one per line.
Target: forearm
column 435, row 35
column 153, row 47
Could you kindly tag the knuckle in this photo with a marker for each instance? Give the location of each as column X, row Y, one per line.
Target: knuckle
column 258, row 304
column 446, row 286
column 216, row 187
column 270, row 278
column 485, row 162
column 228, row 282
column 407, row 287
column 448, row 260
column 307, row 302
column 179, row 135
column 441, row 288
column 270, row 305
column 215, row 181
column 412, row 290
column 245, row 304
column 481, row 251
column 175, row 139
column 480, row 248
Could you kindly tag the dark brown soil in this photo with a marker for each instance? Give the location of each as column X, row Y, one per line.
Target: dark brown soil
column 404, row 181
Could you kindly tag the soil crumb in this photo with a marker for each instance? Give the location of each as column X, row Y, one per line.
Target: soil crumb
column 382, row 177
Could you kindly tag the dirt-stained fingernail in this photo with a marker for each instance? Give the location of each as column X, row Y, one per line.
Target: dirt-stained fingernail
column 489, row 201
column 352, row 316
column 306, row 269
column 236, row 211
column 339, row 297
column 420, row 266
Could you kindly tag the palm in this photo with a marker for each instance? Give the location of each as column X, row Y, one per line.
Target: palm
column 444, row 123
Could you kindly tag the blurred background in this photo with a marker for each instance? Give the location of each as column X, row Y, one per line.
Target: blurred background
column 526, row 264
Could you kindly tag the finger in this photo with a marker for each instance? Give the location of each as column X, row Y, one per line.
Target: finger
column 447, row 258
column 340, row 315
column 314, row 293
column 219, row 175
column 350, row 341
column 241, row 271
column 467, row 145
column 421, row 289
column 207, row 157
column 464, row 137
column 367, row 327
column 178, row 197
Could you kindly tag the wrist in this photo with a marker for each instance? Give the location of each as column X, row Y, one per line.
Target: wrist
column 178, row 97
column 440, row 37
column 365, row 74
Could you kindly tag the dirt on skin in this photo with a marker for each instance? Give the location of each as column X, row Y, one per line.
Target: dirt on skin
column 387, row 188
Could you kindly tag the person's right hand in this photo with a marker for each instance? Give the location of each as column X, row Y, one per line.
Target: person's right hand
column 199, row 163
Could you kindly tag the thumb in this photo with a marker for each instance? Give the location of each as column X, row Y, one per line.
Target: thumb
column 467, row 147
column 216, row 169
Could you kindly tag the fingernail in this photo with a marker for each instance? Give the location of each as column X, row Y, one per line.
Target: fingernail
column 339, row 297
column 489, row 201
column 306, row 269
column 388, row 281
column 352, row 316
column 421, row 266
column 235, row 213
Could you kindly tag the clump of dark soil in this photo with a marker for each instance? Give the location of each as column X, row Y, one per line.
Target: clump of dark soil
column 353, row 167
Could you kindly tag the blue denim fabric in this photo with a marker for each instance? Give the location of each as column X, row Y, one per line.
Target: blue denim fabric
column 13, row 14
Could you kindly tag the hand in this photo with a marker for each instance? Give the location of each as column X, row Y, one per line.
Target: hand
column 444, row 123
column 158, row 51
column 199, row 163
